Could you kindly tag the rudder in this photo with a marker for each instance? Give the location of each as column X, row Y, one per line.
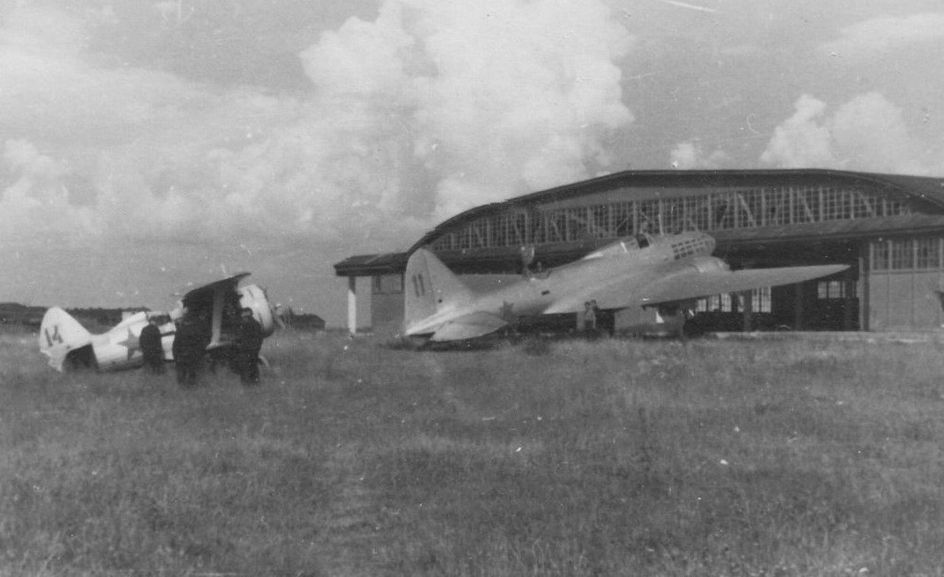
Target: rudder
column 429, row 287
column 60, row 334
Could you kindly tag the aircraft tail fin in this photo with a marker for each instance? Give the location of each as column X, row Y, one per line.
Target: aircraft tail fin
column 430, row 287
column 60, row 334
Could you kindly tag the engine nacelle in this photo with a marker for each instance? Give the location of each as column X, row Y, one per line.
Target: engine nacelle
column 254, row 298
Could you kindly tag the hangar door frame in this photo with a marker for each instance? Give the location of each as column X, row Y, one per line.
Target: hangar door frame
column 905, row 279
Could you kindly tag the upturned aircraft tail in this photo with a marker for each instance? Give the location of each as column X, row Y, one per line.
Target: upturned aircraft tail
column 60, row 334
column 430, row 287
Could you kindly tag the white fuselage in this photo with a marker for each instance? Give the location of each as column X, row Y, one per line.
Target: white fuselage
column 65, row 341
column 118, row 348
column 628, row 264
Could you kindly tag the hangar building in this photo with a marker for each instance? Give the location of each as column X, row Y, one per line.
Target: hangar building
column 888, row 228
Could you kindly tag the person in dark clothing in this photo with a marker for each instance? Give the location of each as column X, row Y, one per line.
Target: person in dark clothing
column 151, row 349
column 189, row 347
column 589, row 318
column 248, row 344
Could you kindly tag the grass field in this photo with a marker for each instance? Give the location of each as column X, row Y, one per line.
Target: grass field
column 569, row 458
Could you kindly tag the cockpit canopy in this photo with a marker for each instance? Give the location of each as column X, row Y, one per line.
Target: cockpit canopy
column 622, row 246
column 679, row 246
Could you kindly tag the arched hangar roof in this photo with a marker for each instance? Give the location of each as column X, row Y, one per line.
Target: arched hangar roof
column 925, row 191
column 923, row 196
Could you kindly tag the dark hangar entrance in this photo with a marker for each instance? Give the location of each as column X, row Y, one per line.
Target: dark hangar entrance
column 825, row 304
column 888, row 228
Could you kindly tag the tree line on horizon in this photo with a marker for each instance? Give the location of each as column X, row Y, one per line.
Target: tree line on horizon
column 32, row 316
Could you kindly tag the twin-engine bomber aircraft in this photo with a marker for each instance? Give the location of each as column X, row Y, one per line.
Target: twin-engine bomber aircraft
column 669, row 272
column 69, row 345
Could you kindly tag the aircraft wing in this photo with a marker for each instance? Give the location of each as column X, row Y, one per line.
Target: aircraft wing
column 208, row 302
column 689, row 283
column 203, row 295
column 695, row 284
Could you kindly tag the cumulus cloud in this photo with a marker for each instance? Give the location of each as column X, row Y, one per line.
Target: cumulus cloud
column 868, row 133
column 51, row 93
column 690, row 155
column 879, row 35
column 495, row 98
column 871, row 134
column 35, row 203
column 431, row 108
column 802, row 140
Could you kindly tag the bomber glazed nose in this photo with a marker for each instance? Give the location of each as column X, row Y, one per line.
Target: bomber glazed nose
column 706, row 243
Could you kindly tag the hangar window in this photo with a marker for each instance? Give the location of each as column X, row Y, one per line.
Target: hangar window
column 750, row 205
column 777, row 207
column 928, row 253
column 600, row 217
column 831, row 290
column 623, row 215
column 722, row 215
column 672, row 217
column 696, row 213
column 536, row 227
column 507, row 229
column 576, row 224
column 555, row 226
column 902, row 254
column 464, row 239
column 716, row 303
column 760, row 300
column 720, row 209
column 804, row 201
column 445, row 242
column 479, row 232
column 492, row 229
column 650, row 215
column 832, row 204
column 731, row 303
column 881, row 255
column 862, row 205
column 894, row 208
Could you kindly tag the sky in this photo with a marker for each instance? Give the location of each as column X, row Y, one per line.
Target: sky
column 147, row 146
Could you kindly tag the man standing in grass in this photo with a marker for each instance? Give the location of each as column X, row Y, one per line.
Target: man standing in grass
column 151, row 349
column 248, row 344
column 189, row 347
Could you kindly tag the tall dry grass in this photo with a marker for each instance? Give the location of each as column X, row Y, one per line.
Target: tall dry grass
column 539, row 458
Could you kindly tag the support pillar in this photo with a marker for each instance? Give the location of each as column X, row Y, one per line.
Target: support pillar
column 849, row 311
column 352, row 305
column 864, row 289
